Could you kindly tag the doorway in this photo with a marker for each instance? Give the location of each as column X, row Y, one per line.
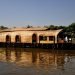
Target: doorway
column 17, row 39
column 8, row 39
column 34, row 38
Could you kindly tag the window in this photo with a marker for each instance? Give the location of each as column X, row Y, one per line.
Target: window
column 43, row 38
column 51, row 38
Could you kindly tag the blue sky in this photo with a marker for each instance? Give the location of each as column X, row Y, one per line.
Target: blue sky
column 21, row 13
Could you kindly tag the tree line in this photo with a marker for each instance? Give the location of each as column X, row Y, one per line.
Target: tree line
column 70, row 29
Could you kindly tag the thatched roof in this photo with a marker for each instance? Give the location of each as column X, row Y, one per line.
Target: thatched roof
column 44, row 31
column 24, row 29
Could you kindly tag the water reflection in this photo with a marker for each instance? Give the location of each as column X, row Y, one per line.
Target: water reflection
column 8, row 55
column 36, row 57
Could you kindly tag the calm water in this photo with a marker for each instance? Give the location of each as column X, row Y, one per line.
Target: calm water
column 23, row 61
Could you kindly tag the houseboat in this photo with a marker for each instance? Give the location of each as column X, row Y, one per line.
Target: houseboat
column 32, row 37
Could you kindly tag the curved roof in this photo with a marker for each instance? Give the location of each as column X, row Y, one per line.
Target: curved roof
column 24, row 29
column 57, row 31
column 49, row 32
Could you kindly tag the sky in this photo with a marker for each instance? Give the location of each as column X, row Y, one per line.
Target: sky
column 20, row 13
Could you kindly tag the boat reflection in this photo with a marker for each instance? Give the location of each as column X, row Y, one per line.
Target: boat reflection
column 37, row 57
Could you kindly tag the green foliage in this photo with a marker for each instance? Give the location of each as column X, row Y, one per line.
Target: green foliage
column 28, row 26
column 70, row 28
column 53, row 27
column 3, row 27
